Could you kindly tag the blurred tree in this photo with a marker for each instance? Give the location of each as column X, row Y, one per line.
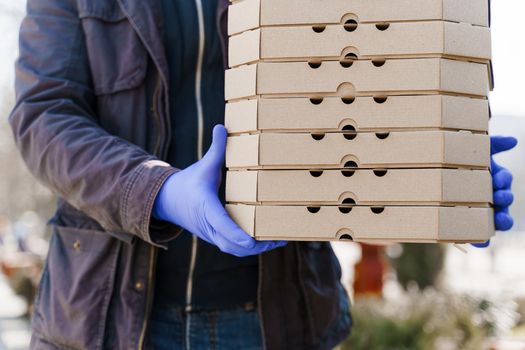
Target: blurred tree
column 422, row 321
column 420, row 264
column 19, row 191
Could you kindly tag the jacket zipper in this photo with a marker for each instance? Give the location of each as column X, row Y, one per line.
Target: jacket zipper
column 149, row 296
column 259, row 300
column 200, row 125
column 158, row 150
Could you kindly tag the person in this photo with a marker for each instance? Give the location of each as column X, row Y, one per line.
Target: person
column 114, row 97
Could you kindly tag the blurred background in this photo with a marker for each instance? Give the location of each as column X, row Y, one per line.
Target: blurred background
column 405, row 296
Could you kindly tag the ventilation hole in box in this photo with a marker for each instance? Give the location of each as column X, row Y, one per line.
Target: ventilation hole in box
column 382, row 26
column 318, row 28
column 377, row 210
column 313, row 210
column 350, row 25
column 350, row 164
column 348, row 173
column 349, row 201
column 317, row 137
column 379, row 62
column 316, row 173
column 382, row 135
column 380, row 99
column 349, row 132
column 316, row 100
column 348, row 60
column 380, row 172
column 314, row 64
column 350, row 135
column 346, row 237
column 348, row 100
column 345, row 210
column 346, row 63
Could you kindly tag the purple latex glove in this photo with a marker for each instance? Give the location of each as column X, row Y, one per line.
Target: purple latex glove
column 189, row 199
column 501, row 184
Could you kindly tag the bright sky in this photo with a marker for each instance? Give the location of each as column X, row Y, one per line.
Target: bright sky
column 508, row 43
column 508, row 38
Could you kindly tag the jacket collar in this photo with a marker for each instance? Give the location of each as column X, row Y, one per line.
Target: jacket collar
column 146, row 19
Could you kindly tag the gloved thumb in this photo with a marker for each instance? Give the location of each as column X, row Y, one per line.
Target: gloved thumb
column 214, row 158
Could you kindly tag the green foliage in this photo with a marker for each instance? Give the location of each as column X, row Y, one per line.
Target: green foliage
column 428, row 320
column 419, row 263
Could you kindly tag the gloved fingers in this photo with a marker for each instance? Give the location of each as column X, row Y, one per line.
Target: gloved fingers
column 500, row 144
column 219, row 219
column 503, row 221
column 481, row 245
column 213, row 160
column 495, row 167
column 232, row 248
column 503, row 198
column 229, row 237
column 502, row 179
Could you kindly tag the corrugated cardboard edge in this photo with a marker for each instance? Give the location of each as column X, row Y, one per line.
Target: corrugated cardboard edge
column 453, row 224
column 242, row 116
column 479, row 12
column 242, row 186
column 453, row 221
column 245, row 48
column 250, row 11
column 456, row 112
column 247, row 151
column 474, row 184
column 477, row 84
column 466, row 40
column 445, row 186
column 462, row 41
column 458, row 146
column 471, row 109
column 466, row 78
column 244, row 216
column 247, row 10
column 241, row 82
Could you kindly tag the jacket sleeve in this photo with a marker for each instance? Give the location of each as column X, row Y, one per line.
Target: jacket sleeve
column 56, row 129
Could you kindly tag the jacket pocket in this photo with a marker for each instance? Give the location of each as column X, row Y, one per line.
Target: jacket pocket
column 320, row 273
column 117, row 57
column 73, row 299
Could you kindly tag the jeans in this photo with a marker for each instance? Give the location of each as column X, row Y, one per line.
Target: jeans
column 173, row 328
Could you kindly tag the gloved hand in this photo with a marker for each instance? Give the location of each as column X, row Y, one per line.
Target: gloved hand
column 501, row 184
column 189, row 199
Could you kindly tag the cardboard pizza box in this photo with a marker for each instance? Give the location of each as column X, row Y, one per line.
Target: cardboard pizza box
column 367, row 41
column 361, row 187
column 395, row 223
column 362, row 78
column 250, row 14
column 382, row 113
column 405, row 149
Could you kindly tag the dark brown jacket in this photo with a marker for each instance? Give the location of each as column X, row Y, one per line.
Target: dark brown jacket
column 91, row 122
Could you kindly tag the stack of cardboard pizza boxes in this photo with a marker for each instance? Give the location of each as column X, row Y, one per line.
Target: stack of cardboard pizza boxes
column 359, row 119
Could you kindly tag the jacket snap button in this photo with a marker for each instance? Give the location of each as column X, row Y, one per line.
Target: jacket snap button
column 76, row 245
column 139, row 285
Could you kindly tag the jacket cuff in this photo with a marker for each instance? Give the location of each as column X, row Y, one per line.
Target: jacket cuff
column 138, row 200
